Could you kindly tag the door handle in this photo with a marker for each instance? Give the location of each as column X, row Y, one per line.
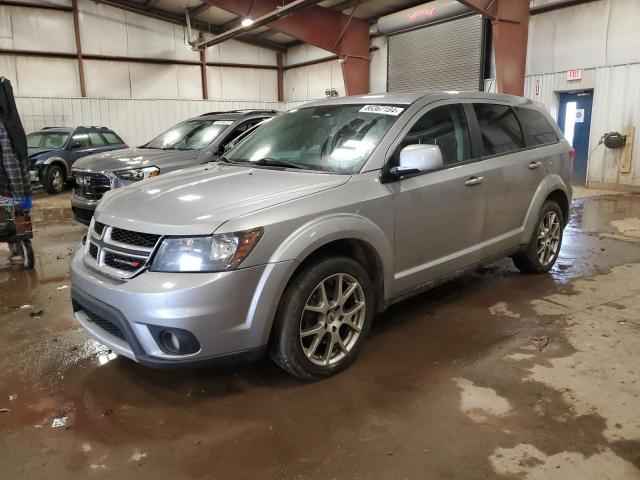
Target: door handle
column 534, row 165
column 474, row 181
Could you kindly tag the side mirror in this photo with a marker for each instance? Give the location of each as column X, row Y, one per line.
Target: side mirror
column 75, row 145
column 418, row 159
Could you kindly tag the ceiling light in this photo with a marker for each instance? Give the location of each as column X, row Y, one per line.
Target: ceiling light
column 246, row 22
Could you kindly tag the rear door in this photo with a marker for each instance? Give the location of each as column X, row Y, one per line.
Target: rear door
column 439, row 215
column 513, row 174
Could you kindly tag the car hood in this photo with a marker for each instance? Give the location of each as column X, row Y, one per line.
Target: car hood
column 131, row 158
column 196, row 201
column 35, row 152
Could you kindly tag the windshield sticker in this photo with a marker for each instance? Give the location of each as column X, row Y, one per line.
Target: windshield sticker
column 223, row 122
column 383, row 109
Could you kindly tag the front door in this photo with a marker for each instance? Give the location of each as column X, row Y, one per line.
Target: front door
column 574, row 119
column 439, row 215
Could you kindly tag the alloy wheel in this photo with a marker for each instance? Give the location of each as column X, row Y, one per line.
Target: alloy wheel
column 332, row 319
column 57, row 180
column 548, row 238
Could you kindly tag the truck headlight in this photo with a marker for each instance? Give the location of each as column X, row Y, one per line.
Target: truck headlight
column 214, row 253
column 137, row 174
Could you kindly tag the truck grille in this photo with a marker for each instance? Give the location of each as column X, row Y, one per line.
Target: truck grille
column 118, row 252
column 91, row 185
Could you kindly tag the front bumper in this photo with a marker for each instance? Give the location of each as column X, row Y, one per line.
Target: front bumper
column 83, row 208
column 229, row 313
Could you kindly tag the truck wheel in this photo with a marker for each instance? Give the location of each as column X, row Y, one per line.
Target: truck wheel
column 54, row 179
column 323, row 318
column 543, row 248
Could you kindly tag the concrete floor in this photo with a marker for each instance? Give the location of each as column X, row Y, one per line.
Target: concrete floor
column 495, row 375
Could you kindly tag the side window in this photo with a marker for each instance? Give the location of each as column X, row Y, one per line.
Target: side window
column 499, row 128
column 538, row 128
column 96, row 139
column 239, row 130
column 445, row 127
column 80, row 140
column 112, row 138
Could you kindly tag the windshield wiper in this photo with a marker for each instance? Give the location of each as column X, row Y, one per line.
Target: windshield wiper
column 274, row 162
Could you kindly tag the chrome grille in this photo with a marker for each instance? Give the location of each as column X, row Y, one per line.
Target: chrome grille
column 91, row 185
column 118, row 252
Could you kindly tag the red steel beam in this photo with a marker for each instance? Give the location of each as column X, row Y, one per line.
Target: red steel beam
column 76, row 28
column 510, row 20
column 203, row 75
column 280, row 77
column 319, row 26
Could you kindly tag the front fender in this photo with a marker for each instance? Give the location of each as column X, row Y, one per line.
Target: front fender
column 549, row 184
column 342, row 226
column 56, row 160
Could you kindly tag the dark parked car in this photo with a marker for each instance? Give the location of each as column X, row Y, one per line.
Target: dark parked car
column 53, row 151
column 192, row 142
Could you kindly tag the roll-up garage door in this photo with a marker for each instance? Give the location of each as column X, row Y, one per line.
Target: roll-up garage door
column 445, row 56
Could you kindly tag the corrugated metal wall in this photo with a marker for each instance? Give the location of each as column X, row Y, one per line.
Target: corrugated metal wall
column 108, row 31
column 445, row 56
column 601, row 39
column 137, row 121
column 616, row 105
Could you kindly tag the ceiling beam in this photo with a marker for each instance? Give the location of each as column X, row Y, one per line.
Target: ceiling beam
column 345, row 36
column 203, row 7
column 177, row 19
column 267, row 18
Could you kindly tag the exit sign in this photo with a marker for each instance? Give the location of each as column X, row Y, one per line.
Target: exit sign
column 574, row 75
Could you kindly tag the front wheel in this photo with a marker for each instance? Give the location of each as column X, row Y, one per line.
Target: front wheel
column 28, row 257
column 543, row 248
column 54, row 180
column 323, row 318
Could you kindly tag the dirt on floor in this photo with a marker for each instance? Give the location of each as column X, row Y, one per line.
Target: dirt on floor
column 494, row 375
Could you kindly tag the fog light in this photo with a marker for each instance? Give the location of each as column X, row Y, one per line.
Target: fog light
column 175, row 341
column 170, row 341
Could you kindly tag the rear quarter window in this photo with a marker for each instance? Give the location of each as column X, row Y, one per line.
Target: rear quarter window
column 112, row 138
column 499, row 128
column 536, row 126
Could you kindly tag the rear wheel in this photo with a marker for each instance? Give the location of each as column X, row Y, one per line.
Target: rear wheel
column 323, row 318
column 28, row 257
column 543, row 248
column 54, row 179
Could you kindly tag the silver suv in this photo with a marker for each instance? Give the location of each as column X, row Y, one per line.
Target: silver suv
column 325, row 216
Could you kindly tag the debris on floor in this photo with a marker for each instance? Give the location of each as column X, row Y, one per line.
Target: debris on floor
column 59, row 422
column 541, row 342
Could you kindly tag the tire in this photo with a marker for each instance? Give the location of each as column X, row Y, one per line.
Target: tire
column 28, row 257
column 302, row 310
column 531, row 260
column 54, row 179
column 15, row 248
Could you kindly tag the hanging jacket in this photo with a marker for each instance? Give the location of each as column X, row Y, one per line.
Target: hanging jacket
column 14, row 173
column 9, row 116
column 14, row 161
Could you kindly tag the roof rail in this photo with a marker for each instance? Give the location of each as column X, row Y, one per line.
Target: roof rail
column 242, row 110
column 92, row 127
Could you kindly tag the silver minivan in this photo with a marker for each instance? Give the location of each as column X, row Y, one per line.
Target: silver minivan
column 325, row 216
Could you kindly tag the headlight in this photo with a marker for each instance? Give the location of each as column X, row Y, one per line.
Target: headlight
column 215, row 253
column 137, row 174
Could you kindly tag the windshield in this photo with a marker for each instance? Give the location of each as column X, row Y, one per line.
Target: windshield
column 191, row 135
column 48, row 140
column 333, row 138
